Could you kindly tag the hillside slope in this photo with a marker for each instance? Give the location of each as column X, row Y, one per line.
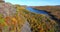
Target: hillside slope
column 10, row 20
column 38, row 22
column 15, row 18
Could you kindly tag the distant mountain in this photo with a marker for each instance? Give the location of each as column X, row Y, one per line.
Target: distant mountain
column 57, row 5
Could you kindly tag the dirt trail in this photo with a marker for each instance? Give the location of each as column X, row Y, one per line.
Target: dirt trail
column 25, row 27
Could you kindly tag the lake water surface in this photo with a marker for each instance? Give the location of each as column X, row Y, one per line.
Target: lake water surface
column 36, row 11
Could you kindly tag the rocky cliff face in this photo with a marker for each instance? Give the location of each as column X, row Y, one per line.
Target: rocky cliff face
column 7, row 9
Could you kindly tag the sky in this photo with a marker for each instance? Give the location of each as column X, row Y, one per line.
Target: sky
column 35, row 2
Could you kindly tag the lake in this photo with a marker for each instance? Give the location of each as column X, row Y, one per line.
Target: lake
column 36, row 11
